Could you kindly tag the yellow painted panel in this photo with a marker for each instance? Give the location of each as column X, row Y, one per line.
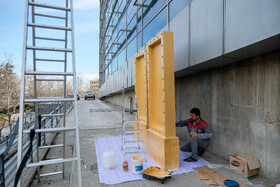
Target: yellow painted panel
column 156, row 94
column 161, row 91
column 141, row 85
column 162, row 143
column 141, row 88
column 163, row 151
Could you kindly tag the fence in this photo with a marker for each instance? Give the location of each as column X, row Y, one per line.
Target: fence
column 8, row 142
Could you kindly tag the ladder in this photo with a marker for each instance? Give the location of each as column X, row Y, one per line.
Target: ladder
column 49, row 44
column 131, row 146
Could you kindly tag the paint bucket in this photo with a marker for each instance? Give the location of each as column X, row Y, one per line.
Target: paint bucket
column 136, row 165
column 109, row 160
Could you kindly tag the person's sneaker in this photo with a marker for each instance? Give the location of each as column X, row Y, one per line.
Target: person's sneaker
column 200, row 153
column 190, row 159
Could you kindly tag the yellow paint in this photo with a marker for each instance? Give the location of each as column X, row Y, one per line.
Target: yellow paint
column 156, row 172
column 137, row 158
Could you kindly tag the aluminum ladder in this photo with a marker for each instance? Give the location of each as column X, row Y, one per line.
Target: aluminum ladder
column 137, row 146
column 38, row 36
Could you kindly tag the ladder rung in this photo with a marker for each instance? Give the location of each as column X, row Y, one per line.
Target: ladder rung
column 49, row 16
column 50, row 115
column 49, row 79
column 49, row 60
column 130, row 110
column 131, row 132
column 53, row 161
column 61, row 129
column 44, row 100
column 48, row 26
column 131, row 121
column 48, row 73
column 55, row 39
column 135, row 152
column 49, row 6
column 125, row 142
column 51, row 146
column 49, row 174
column 48, row 49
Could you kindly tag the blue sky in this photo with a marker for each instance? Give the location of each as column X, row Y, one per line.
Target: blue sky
column 86, row 23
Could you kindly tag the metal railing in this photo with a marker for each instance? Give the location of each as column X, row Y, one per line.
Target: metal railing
column 9, row 164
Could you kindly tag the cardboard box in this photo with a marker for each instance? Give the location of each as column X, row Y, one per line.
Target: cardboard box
column 245, row 164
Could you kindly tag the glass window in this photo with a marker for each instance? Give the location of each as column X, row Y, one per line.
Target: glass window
column 114, row 65
column 121, row 37
column 177, row 6
column 154, row 7
column 131, row 11
column 139, row 44
column 110, row 68
column 139, row 21
column 155, row 26
column 131, row 48
column 121, row 58
column 122, row 5
column 132, row 28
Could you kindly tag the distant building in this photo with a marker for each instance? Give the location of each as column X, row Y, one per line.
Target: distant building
column 94, row 85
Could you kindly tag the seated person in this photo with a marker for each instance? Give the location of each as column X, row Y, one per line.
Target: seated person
column 200, row 133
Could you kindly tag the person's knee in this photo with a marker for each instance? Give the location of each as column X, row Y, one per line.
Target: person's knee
column 194, row 139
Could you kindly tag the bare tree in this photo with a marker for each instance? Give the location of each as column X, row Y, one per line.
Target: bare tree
column 9, row 91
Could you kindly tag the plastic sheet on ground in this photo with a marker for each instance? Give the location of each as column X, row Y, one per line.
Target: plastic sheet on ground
column 117, row 175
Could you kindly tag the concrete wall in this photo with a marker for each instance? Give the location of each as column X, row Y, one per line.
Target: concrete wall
column 117, row 99
column 241, row 103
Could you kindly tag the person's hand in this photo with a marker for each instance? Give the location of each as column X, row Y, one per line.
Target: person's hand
column 194, row 134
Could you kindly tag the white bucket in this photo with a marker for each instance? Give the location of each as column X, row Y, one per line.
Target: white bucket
column 109, row 160
column 136, row 164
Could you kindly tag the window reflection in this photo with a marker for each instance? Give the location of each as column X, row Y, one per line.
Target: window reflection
column 155, row 26
column 132, row 21
column 131, row 49
column 154, row 7
column 121, row 58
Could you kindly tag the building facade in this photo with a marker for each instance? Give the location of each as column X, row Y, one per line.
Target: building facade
column 94, row 86
column 227, row 63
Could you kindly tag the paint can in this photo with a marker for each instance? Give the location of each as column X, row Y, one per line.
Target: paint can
column 136, row 165
column 109, row 160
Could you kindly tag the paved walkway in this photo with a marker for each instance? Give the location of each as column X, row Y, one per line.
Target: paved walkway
column 99, row 119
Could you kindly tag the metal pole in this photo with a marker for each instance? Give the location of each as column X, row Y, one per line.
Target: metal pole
column 22, row 90
column 75, row 98
column 35, row 91
column 64, row 89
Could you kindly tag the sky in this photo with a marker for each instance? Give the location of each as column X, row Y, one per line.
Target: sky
column 86, row 24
